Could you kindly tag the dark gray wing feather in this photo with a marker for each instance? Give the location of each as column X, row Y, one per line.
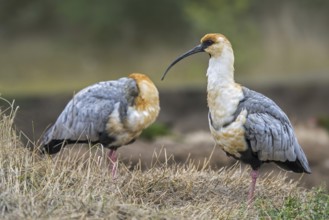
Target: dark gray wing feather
column 269, row 131
column 86, row 115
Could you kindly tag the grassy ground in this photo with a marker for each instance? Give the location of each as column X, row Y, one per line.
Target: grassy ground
column 79, row 187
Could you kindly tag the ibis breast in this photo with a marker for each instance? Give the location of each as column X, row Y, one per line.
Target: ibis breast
column 231, row 138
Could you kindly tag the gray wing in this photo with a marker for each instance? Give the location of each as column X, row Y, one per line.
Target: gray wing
column 269, row 131
column 86, row 115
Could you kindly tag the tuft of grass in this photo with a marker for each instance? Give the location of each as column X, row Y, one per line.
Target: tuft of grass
column 315, row 205
column 79, row 186
column 155, row 130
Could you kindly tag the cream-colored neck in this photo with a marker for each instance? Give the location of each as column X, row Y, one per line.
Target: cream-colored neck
column 221, row 69
column 224, row 94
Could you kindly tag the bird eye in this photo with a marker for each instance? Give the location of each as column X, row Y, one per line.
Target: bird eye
column 208, row 42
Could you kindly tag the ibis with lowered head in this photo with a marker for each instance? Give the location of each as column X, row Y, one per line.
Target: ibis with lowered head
column 245, row 124
column 112, row 113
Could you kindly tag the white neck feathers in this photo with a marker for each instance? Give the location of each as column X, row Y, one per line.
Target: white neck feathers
column 224, row 94
column 221, row 68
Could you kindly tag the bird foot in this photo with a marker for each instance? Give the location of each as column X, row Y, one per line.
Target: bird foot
column 113, row 164
column 254, row 175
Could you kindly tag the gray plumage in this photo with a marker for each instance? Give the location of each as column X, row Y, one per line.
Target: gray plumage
column 86, row 115
column 269, row 131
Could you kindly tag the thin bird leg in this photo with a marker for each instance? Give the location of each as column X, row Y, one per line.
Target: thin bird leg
column 254, row 174
column 113, row 162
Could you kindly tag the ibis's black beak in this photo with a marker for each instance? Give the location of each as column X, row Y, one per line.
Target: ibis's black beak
column 197, row 49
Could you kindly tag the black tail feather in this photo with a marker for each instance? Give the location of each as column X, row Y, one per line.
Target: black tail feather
column 54, row 146
column 294, row 166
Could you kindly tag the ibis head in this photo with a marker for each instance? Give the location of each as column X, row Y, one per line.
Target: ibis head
column 213, row 44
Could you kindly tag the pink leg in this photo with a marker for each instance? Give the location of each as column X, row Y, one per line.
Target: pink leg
column 113, row 162
column 254, row 174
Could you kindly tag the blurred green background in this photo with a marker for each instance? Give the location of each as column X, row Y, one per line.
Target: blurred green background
column 56, row 47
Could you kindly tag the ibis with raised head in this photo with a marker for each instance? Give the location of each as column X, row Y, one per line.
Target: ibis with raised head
column 112, row 113
column 245, row 124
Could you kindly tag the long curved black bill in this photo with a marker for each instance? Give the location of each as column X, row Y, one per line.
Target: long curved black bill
column 197, row 49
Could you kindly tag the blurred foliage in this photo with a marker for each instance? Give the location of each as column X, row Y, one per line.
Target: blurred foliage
column 103, row 21
column 136, row 23
column 323, row 121
column 155, row 130
column 142, row 20
column 231, row 17
column 243, row 21
column 227, row 16
column 46, row 40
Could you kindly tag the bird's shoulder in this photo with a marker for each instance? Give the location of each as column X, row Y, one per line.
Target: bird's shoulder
column 259, row 104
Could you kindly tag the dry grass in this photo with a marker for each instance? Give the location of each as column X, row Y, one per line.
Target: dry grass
column 79, row 186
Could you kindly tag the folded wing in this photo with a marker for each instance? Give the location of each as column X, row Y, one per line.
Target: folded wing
column 270, row 133
column 86, row 115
